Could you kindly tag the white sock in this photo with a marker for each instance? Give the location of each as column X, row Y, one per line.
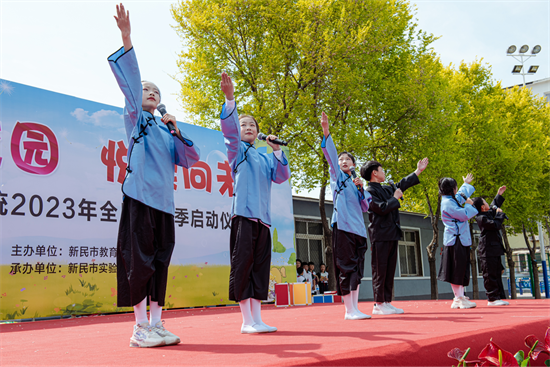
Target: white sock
column 355, row 297
column 140, row 312
column 155, row 313
column 246, row 312
column 458, row 290
column 348, row 302
column 256, row 306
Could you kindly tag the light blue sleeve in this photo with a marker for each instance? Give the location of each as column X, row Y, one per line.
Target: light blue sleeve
column 365, row 201
column 281, row 170
column 461, row 214
column 329, row 150
column 126, row 70
column 231, row 130
column 188, row 153
column 465, row 189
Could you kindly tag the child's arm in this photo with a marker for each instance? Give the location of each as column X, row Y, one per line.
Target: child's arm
column 466, row 190
column 280, row 171
column 186, row 154
column 126, row 70
column 462, row 214
column 229, row 121
column 329, row 150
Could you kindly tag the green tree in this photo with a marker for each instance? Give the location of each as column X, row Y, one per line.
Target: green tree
column 277, row 245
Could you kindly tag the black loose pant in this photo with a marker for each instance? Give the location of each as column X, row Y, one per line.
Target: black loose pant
column 384, row 262
column 491, row 267
column 250, row 248
column 348, row 251
column 146, row 240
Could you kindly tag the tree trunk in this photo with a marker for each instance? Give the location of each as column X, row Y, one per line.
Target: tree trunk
column 532, row 253
column 473, row 262
column 327, row 235
column 432, row 247
column 511, row 265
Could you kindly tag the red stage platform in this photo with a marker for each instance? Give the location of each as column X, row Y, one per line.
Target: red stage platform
column 314, row 335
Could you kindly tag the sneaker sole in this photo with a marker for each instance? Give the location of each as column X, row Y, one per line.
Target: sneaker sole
column 134, row 344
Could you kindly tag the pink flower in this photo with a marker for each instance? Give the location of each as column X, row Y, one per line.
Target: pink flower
column 490, row 356
column 541, row 347
column 458, row 354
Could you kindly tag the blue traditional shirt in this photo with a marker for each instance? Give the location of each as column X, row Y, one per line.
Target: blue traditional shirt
column 349, row 202
column 152, row 150
column 253, row 172
column 455, row 218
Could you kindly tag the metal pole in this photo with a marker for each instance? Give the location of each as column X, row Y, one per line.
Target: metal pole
column 531, row 276
column 543, row 259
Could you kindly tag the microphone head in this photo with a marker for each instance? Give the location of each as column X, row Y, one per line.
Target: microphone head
column 352, row 170
column 391, row 182
column 262, row 136
column 162, row 109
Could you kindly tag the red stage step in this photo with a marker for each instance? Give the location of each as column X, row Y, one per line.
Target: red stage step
column 314, row 335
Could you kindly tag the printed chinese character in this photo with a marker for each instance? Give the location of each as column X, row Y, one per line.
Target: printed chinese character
column 28, row 251
column 196, row 218
column 40, row 250
column 73, row 251
column 112, row 252
column 52, row 251
column 50, row 268
column 26, row 269
column 212, row 219
column 112, row 268
column 39, row 268
column 103, row 252
column 40, row 146
column 3, row 203
column 199, row 177
column 94, row 251
column 83, row 268
column 226, row 178
column 108, row 212
column 112, row 156
column 15, row 268
column 226, row 220
column 182, row 217
column 84, row 251
column 103, row 268
column 86, row 209
column 16, row 250
column 73, row 267
column 93, row 268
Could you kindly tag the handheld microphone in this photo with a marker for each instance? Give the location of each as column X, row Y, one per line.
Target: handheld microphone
column 494, row 207
column 395, row 189
column 162, row 109
column 354, row 175
column 274, row 141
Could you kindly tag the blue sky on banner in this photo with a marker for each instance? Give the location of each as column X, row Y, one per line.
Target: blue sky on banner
column 63, row 46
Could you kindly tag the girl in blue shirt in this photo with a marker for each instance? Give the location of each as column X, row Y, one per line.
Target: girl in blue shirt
column 456, row 209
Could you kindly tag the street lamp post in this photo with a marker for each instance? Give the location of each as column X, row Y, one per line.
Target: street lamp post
column 522, row 57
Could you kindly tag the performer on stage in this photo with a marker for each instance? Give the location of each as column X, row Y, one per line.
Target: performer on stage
column 489, row 220
column 253, row 174
column 146, row 233
column 349, row 236
column 455, row 260
column 385, row 230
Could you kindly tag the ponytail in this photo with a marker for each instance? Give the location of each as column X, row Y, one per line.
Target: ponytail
column 447, row 186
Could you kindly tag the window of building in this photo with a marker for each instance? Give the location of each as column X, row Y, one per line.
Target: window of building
column 410, row 263
column 309, row 241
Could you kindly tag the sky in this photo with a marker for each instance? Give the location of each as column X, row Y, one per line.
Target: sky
column 63, row 46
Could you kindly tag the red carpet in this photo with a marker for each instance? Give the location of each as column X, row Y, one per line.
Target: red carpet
column 308, row 335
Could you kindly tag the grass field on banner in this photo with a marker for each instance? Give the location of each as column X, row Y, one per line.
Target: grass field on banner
column 41, row 295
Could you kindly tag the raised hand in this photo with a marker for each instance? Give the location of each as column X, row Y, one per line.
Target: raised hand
column 468, row 179
column 324, row 124
column 421, row 166
column 469, row 201
column 227, row 87
column 501, row 190
column 122, row 18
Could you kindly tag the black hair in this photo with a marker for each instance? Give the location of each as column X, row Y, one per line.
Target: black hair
column 447, row 186
column 300, row 270
column 311, row 263
column 478, row 203
column 368, row 167
column 321, row 264
column 299, row 260
column 349, row 155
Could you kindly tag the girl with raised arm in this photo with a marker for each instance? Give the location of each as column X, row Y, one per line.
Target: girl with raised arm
column 349, row 235
column 146, row 235
column 456, row 209
column 250, row 245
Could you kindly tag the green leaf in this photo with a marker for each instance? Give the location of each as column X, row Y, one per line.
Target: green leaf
column 519, row 356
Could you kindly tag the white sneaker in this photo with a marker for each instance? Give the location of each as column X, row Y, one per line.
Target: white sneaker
column 253, row 329
column 397, row 310
column 357, row 315
column 270, row 329
column 382, row 309
column 498, row 302
column 168, row 337
column 462, row 302
column 145, row 337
